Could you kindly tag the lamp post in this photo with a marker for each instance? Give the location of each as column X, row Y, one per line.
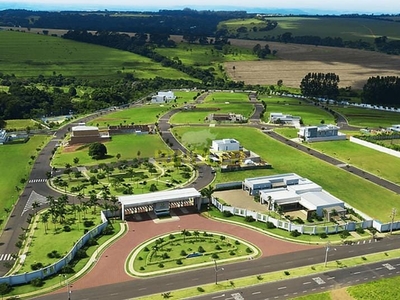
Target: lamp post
column 216, row 271
column 327, row 248
column 392, row 215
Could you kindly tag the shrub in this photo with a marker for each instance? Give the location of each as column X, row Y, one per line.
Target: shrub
column 146, row 249
column 214, row 256
column 344, row 234
column 81, row 254
column 248, row 250
column 67, row 270
column 363, row 258
column 36, row 266
column 140, row 258
column 161, row 265
column 178, row 261
column 37, row 282
column 360, row 230
column 218, row 247
column 165, row 255
column 295, row 233
column 259, row 277
column 201, row 249
column 237, row 242
column 287, row 273
column 323, row 235
column 183, row 253
column 91, row 242
column 270, row 225
column 67, row 228
column 141, row 269
column 88, row 223
column 249, row 219
column 171, row 236
column 200, row 289
column 299, row 220
column 227, row 214
column 232, row 253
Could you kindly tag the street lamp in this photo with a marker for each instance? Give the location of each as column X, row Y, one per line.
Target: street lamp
column 327, row 248
column 216, row 271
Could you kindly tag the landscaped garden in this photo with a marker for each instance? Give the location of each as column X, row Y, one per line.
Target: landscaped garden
column 188, row 248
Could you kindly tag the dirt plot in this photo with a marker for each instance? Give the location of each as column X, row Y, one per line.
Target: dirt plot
column 353, row 66
column 240, row 199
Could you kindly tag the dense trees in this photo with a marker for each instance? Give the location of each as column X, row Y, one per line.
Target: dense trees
column 382, row 91
column 320, row 85
column 97, row 150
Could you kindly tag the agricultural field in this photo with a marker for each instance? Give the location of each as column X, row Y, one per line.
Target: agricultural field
column 15, row 163
column 128, row 146
column 309, row 113
column 353, row 66
column 215, row 103
column 30, row 55
column 285, row 159
column 366, row 117
column 349, row 29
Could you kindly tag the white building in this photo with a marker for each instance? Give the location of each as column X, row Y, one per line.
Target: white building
column 320, row 133
column 284, row 119
column 3, row 136
column 395, row 128
column 292, row 192
column 226, row 145
column 163, row 97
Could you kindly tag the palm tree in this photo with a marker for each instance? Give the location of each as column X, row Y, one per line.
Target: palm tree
column 35, row 205
column 196, row 233
column 184, row 232
column 44, row 218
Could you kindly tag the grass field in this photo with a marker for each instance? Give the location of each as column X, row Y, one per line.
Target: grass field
column 27, row 55
column 14, row 166
column 126, row 145
column 20, row 124
column 284, row 159
column 349, row 29
column 366, row 117
column 375, row 162
column 384, row 289
column 309, row 113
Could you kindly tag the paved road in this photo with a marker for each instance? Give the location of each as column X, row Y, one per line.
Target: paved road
column 160, row 284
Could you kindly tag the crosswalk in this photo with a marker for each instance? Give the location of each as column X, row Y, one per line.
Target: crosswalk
column 37, row 180
column 5, row 257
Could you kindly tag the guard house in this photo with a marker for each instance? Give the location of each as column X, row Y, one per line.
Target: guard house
column 226, row 145
column 320, row 133
column 256, row 184
column 159, row 202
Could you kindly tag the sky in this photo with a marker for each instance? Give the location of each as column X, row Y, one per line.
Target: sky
column 310, row 6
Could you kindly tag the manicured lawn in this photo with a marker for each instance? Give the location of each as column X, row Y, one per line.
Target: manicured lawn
column 175, row 250
column 29, row 55
column 321, row 296
column 366, row 117
column 15, row 164
column 284, row 159
column 383, row 289
column 146, row 114
column 220, row 97
column 128, row 146
column 309, row 113
column 20, row 124
column 375, row 162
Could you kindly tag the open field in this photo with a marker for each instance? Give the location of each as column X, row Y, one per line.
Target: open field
column 366, row 117
column 383, row 289
column 357, row 192
column 349, row 29
column 353, row 66
column 126, row 145
column 27, row 55
column 20, row 124
column 375, row 162
column 14, row 166
column 309, row 113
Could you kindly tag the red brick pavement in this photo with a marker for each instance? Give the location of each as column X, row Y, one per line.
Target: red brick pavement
column 110, row 268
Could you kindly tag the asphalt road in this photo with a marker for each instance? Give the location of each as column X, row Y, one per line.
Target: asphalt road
column 230, row 272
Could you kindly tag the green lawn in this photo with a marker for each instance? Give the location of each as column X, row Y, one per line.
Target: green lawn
column 366, row 117
column 346, row 28
column 20, row 124
column 15, row 164
column 146, row 114
column 284, row 159
column 383, row 289
column 128, row 146
column 309, row 113
column 221, row 98
column 29, row 55
column 173, row 250
column 378, row 163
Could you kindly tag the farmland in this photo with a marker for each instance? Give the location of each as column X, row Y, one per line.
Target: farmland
column 285, row 159
column 30, row 55
column 351, row 29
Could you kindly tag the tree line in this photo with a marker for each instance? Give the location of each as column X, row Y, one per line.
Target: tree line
column 382, row 90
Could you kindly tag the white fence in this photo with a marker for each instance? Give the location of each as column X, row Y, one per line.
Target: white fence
column 375, row 147
column 290, row 226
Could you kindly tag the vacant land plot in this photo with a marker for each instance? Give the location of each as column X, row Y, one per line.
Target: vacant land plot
column 27, row 55
column 353, row 66
column 20, row 124
column 128, row 146
column 284, row 159
column 366, row 117
column 309, row 113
